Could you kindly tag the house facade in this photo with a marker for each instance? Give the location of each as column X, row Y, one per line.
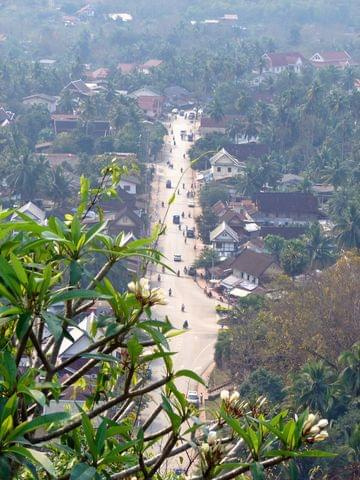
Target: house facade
column 286, row 208
column 254, row 267
column 224, row 240
column 49, row 101
column 130, row 184
column 224, row 165
column 149, row 101
column 338, row 59
column 147, row 67
column 280, row 62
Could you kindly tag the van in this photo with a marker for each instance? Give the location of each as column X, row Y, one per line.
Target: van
column 190, row 233
column 168, row 183
column 176, row 219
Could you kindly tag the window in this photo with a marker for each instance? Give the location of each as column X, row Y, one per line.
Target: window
column 126, row 188
column 229, row 169
column 219, row 245
column 218, row 169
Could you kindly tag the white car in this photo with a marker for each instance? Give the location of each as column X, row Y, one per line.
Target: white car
column 177, row 258
column 193, row 397
column 175, row 111
column 191, row 204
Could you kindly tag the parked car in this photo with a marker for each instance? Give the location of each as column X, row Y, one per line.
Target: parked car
column 190, row 233
column 193, row 397
column 191, row 204
column 191, row 116
column 190, row 137
column 176, row 219
column 182, row 113
column 177, row 258
column 168, row 183
column 175, row 111
column 192, row 271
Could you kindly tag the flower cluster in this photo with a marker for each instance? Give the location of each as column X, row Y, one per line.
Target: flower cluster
column 145, row 295
column 314, row 429
column 237, row 408
column 211, row 451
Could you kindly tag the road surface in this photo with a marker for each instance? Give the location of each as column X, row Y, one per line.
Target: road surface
column 195, row 348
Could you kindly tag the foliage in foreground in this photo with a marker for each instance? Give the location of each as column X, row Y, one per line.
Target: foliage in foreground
column 45, row 291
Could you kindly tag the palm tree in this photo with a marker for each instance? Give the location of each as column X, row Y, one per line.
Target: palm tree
column 313, row 388
column 350, row 375
column 251, row 126
column 348, row 228
column 58, row 187
column 215, row 110
column 319, row 246
column 26, row 173
column 66, row 102
column 335, row 173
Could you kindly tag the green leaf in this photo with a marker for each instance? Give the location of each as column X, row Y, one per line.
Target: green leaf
column 36, row 395
column 100, row 436
column 172, row 199
column 22, row 325
column 257, row 471
column 103, row 357
column 134, row 349
column 189, row 373
column 19, row 269
column 43, row 421
column 34, row 456
column 316, row 454
column 75, row 272
column 54, row 324
column 78, row 293
column 295, row 454
column 90, row 435
column 82, row 471
column 5, row 470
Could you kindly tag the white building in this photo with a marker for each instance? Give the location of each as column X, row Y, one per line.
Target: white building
column 49, row 101
column 224, row 240
column 32, row 211
column 224, row 165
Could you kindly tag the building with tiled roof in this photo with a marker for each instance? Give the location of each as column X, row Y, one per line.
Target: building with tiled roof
column 338, row 59
column 279, row 62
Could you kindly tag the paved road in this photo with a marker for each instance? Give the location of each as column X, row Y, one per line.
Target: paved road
column 195, row 348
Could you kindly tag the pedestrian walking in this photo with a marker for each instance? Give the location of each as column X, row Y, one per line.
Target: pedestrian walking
column 201, row 398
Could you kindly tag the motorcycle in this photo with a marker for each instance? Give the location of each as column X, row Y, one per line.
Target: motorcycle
column 183, row 308
column 170, row 292
column 186, row 324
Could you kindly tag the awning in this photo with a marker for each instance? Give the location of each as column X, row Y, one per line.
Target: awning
column 230, row 282
column 239, row 292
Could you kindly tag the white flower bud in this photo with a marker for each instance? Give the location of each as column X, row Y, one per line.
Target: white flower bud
column 314, row 430
column 309, row 423
column 211, row 439
column 320, row 437
column 224, row 395
column 234, row 397
column 323, row 423
column 205, row 447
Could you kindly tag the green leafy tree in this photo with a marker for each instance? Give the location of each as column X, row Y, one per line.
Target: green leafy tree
column 320, row 247
column 208, row 258
column 348, row 228
column 215, row 110
column 263, row 382
column 275, row 245
column 45, row 289
column 294, row 258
